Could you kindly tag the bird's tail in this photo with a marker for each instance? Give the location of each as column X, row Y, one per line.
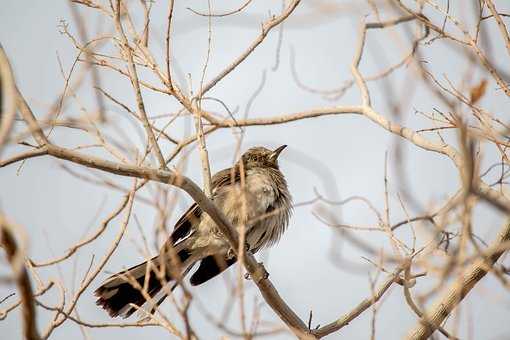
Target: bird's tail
column 121, row 291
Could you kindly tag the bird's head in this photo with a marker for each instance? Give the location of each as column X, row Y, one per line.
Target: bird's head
column 261, row 157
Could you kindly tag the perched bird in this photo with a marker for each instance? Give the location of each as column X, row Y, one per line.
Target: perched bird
column 254, row 197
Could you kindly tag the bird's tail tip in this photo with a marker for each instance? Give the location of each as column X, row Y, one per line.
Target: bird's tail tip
column 122, row 293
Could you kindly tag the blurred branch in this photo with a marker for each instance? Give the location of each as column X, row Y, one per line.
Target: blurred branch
column 468, row 42
column 42, row 290
column 96, row 79
column 7, row 99
column 458, row 290
column 16, row 258
column 501, row 24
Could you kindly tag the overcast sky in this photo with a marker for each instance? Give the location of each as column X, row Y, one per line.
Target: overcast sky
column 337, row 156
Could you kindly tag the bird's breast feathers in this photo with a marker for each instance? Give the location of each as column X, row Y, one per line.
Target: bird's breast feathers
column 261, row 189
column 250, row 204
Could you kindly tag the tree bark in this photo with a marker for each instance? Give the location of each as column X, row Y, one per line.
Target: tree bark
column 460, row 288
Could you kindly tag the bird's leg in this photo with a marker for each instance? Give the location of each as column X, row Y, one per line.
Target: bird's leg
column 231, row 253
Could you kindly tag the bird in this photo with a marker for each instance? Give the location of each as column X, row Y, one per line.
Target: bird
column 254, row 197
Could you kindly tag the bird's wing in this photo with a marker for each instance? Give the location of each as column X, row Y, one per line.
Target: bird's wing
column 184, row 226
column 209, row 268
column 224, row 178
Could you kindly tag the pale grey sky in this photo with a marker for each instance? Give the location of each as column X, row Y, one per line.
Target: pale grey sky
column 339, row 156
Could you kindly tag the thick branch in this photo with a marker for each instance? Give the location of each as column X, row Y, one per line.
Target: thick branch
column 460, row 288
column 16, row 259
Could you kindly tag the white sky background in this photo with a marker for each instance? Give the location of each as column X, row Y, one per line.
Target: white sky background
column 339, row 156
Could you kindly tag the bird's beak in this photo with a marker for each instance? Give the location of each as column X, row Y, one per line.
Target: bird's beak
column 277, row 151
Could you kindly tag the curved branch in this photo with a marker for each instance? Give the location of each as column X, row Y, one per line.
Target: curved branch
column 266, row 28
column 16, row 259
column 220, row 15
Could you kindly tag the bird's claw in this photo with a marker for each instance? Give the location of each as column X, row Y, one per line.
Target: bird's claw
column 260, row 272
column 231, row 253
column 265, row 276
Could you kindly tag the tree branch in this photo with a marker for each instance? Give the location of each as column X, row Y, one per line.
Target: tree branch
column 16, row 258
column 460, row 288
column 136, row 86
column 363, row 306
column 7, row 98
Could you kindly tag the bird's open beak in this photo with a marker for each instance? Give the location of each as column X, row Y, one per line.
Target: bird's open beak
column 277, row 151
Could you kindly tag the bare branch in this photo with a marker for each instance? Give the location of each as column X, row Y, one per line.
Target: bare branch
column 7, row 98
column 136, row 86
column 459, row 289
column 15, row 257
